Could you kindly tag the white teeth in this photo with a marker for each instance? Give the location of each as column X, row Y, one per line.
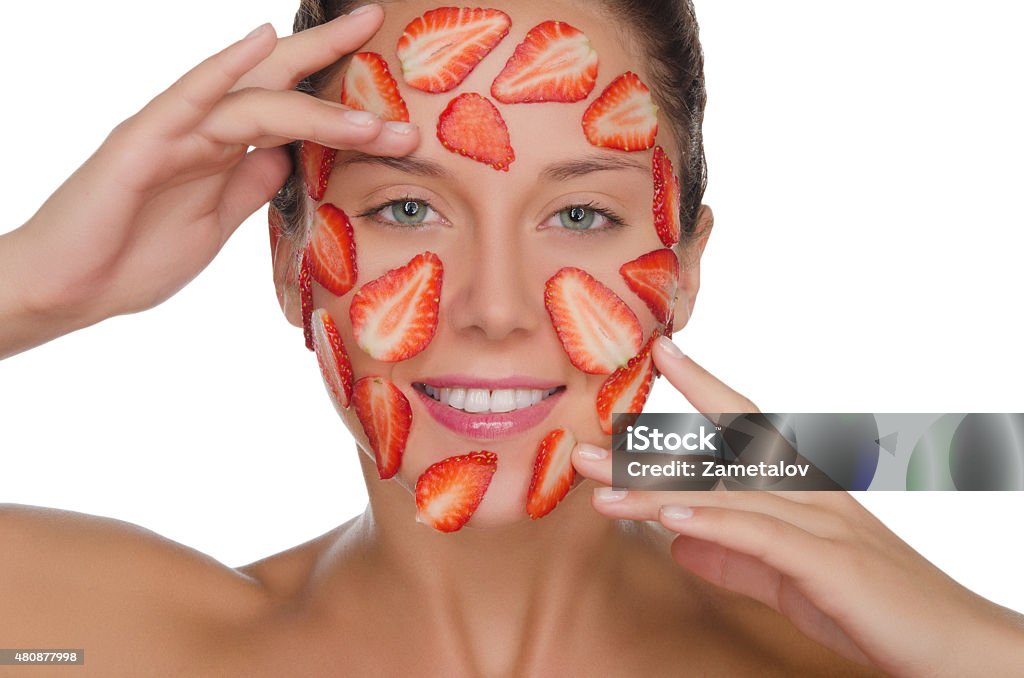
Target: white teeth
column 477, row 400
column 482, row 400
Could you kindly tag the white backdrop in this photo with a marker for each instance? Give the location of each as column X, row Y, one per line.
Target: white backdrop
column 864, row 170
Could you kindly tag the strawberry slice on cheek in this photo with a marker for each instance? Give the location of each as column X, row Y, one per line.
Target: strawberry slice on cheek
column 386, row 417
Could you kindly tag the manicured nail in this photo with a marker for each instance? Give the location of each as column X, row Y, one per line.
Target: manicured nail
column 608, row 494
column 669, row 347
column 256, row 32
column 676, row 512
column 399, row 127
column 588, row 451
column 363, row 9
column 361, row 118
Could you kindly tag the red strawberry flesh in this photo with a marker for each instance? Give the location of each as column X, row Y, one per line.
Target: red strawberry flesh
column 623, row 117
column 386, row 417
column 306, row 297
column 666, row 198
column 654, row 278
column 449, row 492
column 626, row 389
column 317, row 163
column 598, row 331
column 553, row 473
column 333, row 250
column 472, row 126
column 554, row 62
column 369, row 86
column 332, row 358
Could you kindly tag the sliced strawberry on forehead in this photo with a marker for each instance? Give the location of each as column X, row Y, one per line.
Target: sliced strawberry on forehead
column 384, row 412
column 555, row 62
column 654, row 278
column 317, row 163
column 306, row 297
column 598, row 331
column 333, row 250
column 368, row 86
column 666, row 198
column 472, row 126
column 439, row 49
column 626, row 389
column 332, row 358
column 394, row 317
column 553, row 473
column 623, row 117
column 448, row 492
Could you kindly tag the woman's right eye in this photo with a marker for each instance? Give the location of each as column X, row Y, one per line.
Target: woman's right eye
column 403, row 212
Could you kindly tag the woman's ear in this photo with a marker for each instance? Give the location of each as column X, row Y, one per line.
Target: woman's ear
column 284, row 255
column 689, row 267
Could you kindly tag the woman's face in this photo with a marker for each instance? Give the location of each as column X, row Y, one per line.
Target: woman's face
column 500, row 236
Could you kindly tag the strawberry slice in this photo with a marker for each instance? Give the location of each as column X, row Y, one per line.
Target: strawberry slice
column 598, row 331
column 369, row 86
column 448, row 492
column 627, row 388
column 394, row 317
column 306, row 297
column 439, row 49
column 554, row 62
column 384, row 412
column 666, row 198
column 623, row 117
column 332, row 358
column 333, row 250
column 317, row 162
column 472, row 126
column 553, row 473
column 654, row 278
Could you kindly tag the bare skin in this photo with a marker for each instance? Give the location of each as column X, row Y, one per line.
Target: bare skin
column 631, row 591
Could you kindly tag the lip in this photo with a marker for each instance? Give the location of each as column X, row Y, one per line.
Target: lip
column 488, row 425
column 470, row 381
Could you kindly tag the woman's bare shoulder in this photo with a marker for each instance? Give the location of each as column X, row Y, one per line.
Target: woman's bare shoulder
column 70, row 579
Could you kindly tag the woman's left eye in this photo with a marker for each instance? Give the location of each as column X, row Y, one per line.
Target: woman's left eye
column 584, row 218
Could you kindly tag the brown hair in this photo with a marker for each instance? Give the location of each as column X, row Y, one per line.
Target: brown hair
column 663, row 31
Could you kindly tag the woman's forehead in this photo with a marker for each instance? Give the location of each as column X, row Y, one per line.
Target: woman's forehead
column 539, row 134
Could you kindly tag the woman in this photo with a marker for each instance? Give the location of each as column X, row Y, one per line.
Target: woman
column 567, row 592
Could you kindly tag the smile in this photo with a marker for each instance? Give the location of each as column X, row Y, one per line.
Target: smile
column 477, row 400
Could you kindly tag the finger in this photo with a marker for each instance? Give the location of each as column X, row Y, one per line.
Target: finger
column 647, row 504
column 182, row 105
column 701, row 388
column 593, row 461
column 252, row 184
column 298, row 55
column 262, row 118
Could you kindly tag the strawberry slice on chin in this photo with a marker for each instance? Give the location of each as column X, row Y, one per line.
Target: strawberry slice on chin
column 386, row 417
column 472, row 126
column 654, row 277
column 441, row 47
column 553, row 473
column 333, row 250
column 333, row 359
column 623, row 117
column 449, row 491
column 554, row 62
column 598, row 331
column 666, row 198
column 626, row 390
column 369, row 86
column 317, row 163
column 395, row 316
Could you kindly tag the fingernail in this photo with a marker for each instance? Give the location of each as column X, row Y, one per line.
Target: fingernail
column 362, row 9
column 257, row 31
column 676, row 512
column 669, row 347
column 609, row 494
column 361, row 118
column 399, row 127
column 588, row 451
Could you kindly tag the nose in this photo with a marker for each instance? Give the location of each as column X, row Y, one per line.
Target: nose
column 493, row 291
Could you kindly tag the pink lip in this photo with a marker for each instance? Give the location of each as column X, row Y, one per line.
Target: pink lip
column 469, row 381
column 489, row 425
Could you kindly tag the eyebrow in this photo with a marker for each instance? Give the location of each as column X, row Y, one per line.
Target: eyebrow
column 557, row 171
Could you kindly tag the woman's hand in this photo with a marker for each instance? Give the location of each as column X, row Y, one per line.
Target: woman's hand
column 160, row 197
column 820, row 559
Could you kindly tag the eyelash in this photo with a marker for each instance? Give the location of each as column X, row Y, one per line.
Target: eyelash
column 614, row 220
